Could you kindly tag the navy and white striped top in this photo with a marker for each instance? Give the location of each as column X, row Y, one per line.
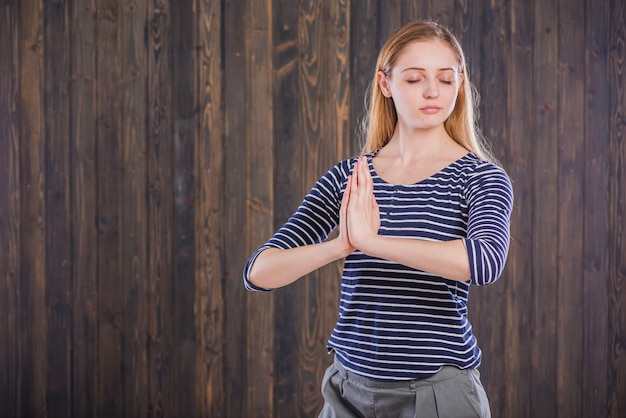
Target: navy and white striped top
column 396, row 322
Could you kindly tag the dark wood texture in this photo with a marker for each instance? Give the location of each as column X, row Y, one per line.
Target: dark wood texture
column 148, row 147
column 9, row 210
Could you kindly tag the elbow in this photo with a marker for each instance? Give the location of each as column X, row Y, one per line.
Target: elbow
column 252, row 285
column 486, row 275
column 251, row 282
column 486, row 263
column 250, row 275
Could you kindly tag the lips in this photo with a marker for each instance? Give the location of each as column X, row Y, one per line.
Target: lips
column 430, row 109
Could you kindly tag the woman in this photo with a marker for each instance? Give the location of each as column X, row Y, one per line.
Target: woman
column 423, row 214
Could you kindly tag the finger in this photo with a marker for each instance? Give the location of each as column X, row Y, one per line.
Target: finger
column 376, row 208
column 366, row 176
column 365, row 181
column 355, row 172
column 346, row 194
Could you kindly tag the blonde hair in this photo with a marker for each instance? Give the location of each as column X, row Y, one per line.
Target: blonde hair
column 381, row 118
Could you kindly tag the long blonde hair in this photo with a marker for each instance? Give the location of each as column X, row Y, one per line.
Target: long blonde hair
column 381, row 118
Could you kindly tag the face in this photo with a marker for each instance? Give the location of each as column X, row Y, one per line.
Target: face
column 424, row 84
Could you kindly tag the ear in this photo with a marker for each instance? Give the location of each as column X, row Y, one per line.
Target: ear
column 461, row 77
column 383, row 84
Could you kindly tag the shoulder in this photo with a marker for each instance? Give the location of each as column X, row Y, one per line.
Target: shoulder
column 342, row 169
column 334, row 181
column 480, row 175
column 472, row 167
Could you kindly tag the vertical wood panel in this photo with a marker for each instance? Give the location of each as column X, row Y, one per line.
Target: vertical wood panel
column 259, row 200
column 334, row 144
column 364, row 48
column 519, row 164
column 163, row 390
column 32, row 334
column 545, row 210
column 570, row 247
column 390, row 19
column 339, row 138
column 338, row 76
column 9, row 210
column 111, row 283
column 58, row 262
column 617, row 211
column 596, row 215
column 185, row 124
column 133, row 210
column 210, row 214
column 83, row 200
column 311, row 98
column 287, row 195
column 323, row 121
column 488, row 305
column 236, row 248
column 468, row 28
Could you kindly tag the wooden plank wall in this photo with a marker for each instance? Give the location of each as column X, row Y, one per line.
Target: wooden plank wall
column 147, row 147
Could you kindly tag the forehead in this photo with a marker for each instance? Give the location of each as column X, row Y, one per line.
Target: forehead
column 427, row 55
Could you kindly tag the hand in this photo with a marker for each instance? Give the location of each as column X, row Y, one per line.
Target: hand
column 344, row 238
column 363, row 214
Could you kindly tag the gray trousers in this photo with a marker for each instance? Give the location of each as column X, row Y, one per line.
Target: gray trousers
column 451, row 393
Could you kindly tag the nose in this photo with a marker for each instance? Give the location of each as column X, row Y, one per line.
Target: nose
column 432, row 90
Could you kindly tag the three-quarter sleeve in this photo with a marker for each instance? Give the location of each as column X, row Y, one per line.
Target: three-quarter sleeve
column 490, row 202
column 314, row 220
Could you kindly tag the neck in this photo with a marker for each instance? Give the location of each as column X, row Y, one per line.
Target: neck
column 419, row 143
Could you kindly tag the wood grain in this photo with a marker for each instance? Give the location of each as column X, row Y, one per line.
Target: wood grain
column 58, row 260
column 488, row 305
column 519, row 163
column 236, row 247
column 133, row 210
column 111, row 283
column 323, row 120
column 9, row 210
column 617, row 212
column 364, row 48
column 570, row 245
column 209, row 302
column 31, row 169
column 160, row 207
column 287, row 197
column 185, row 115
column 596, row 249
column 259, row 202
column 82, row 108
column 148, row 147
column 545, row 211
column 444, row 12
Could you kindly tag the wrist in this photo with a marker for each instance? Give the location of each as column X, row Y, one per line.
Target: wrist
column 370, row 245
column 340, row 248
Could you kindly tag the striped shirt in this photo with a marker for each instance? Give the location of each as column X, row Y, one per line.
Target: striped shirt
column 396, row 322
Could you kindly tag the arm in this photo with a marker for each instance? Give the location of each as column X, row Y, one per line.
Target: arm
column 446, row 259
column 300, row 247
column 274, row 267
column 479, row 258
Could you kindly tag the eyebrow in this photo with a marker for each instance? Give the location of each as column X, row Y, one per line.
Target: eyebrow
column 423, row 69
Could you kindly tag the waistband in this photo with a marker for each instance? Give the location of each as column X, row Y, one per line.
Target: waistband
column 445, row 373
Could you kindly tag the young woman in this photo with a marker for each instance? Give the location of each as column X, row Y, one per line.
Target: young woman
column 423, row 214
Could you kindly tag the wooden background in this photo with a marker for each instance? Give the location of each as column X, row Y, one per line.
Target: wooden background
column 148, row 147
